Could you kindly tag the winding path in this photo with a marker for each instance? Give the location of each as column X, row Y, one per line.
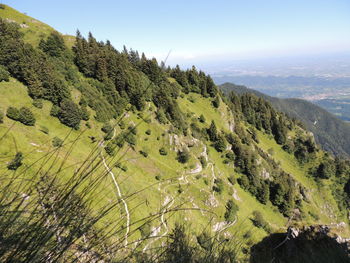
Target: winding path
column 118, row 192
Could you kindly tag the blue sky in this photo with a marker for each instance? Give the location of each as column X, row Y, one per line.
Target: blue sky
column 204, row 30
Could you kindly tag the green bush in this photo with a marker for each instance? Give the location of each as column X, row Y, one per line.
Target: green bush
column 107, row 128
column 109, row 149
column 54, row 111
column 144, row 153
column 231, row 211
column 158, row 177
column 163, row 151
column 38, row 103
column 69, row 114
column 108, row 136
column 12, row 113
column 23, row 115
column 130, row 138
column 85, row 114
column 220, row 144
column 216, row 102
column 1, row 117
column 148, row 132
column 161, row 117
column 57, row 142
column 26, row 116
column 4, row 74
column 183, row 156
column 202, row 118
column 218, row 185
column 16, row 162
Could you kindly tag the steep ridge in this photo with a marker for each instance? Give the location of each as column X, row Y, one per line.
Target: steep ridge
column 330, row 132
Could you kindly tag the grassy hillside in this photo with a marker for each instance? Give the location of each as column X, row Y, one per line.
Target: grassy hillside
column 33, row 29
column 166, row 147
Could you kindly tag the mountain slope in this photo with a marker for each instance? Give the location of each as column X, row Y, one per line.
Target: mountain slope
column 330, row 132
column 164, row 145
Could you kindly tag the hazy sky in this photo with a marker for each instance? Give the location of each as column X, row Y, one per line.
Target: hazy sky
column 203, row 30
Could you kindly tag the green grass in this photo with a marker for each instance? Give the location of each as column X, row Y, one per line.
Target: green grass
column 34, row 30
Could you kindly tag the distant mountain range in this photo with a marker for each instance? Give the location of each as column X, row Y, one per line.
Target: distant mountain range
column 330, row 132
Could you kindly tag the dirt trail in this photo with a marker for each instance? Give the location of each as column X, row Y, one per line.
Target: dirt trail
column 118, row 192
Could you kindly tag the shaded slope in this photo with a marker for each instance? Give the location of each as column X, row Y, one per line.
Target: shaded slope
column 330, row 132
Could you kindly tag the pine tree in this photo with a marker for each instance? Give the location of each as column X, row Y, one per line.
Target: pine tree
column 212, row 131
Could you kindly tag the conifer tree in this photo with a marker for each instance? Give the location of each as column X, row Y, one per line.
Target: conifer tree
column 212, row 131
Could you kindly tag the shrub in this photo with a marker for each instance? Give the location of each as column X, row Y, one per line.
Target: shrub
column 4, row 74
column 231, row 211
column 108, row 136
column 158, row 177
column 144, row 153
column 16, row 162
column 69, row 114
column 23, row 115
column 12, row 113
column 161, row 117
column 218, row 185
column 130, row 138
column 109, row 149
column 57, row 142
column 220, row 143
column 85, row 114
column 26, row 116
column 54, row 111
column 202, row 118
column 216, row 102
column 230, row 156
column 326, row 169
column 163, row 151
column 1, row 117
column 107, row 127
column 38, row 103
column 183, row 156
column 148, row 132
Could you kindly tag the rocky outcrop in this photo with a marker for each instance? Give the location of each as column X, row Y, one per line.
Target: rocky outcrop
column 316, row 243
